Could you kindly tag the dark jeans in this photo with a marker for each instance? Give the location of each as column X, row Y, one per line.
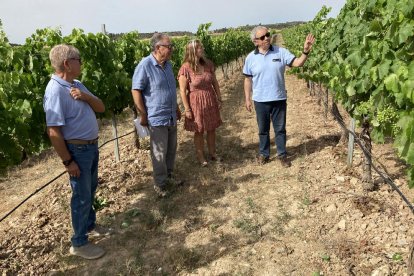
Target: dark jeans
column 276, row 112
column 83, row 191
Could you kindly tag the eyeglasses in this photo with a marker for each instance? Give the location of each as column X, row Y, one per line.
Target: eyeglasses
column 263, row 36
column 169, row 46
column 78, row 59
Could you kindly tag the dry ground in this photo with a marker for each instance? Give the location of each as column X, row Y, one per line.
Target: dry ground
column 230, row 218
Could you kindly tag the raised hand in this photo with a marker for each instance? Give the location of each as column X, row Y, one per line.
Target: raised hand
column 310, row 39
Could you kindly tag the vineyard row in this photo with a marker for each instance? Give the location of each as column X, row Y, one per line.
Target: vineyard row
column 365, row 57
column 107, row 68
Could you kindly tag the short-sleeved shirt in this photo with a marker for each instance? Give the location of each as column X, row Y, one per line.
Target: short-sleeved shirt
column 267, row 72
column 75, row 117
column 159, row 92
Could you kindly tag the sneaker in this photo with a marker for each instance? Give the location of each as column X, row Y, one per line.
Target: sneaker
column 285, row 162
column 262, row 159
column 160, row 191
column 100, row 231
column 88, row 251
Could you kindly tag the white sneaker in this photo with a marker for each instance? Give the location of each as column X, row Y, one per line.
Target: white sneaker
column 88, row 251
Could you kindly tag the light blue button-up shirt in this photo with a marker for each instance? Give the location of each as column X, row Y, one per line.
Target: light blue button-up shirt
column 267, row 72
column 158, row 88
column 75, row 117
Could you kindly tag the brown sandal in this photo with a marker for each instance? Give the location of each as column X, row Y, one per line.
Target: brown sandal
column 216, row 158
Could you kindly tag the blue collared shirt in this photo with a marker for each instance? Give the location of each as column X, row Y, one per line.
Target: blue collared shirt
column 267, row 72
column 158, row 88
column 75, row 117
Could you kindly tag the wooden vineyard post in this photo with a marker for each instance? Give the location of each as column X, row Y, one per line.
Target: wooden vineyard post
column 366, row 142
column 115, row 134
column 326, row 102
column 310, row 87
column 136, row 137
column 340, row 120
column 114, row 127
column 319, row 94
column 350, row 144
column 224, row 73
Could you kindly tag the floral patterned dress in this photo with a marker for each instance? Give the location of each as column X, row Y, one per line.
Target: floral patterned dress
column 202, row 99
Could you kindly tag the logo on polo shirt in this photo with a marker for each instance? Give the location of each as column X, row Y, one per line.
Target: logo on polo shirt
column 276, row 60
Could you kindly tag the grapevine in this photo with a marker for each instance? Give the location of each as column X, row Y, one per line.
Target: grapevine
column 365, row 58
column 107, row 68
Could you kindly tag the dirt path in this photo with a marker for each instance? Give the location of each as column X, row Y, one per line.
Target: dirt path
column 231, row 218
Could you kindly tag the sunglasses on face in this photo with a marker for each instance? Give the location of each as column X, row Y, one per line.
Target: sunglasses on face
column 263, row 36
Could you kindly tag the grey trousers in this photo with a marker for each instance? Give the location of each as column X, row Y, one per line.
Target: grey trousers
column 163, row 140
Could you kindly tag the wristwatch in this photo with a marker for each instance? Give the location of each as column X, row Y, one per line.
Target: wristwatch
column 67, row 162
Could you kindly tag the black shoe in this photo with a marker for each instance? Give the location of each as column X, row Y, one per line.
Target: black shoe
column 284, row 161
column 262, row 159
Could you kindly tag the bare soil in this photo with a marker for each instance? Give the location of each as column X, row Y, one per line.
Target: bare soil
column 234, row 217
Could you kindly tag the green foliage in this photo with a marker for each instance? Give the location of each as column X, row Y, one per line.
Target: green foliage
column 247, row 225
column 397, row 257
column 102, row 69
column 107, row 69
column 100, row 203
column 365, row 57
column 326, row 257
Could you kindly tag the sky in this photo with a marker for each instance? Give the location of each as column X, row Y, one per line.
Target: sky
column 21, row 18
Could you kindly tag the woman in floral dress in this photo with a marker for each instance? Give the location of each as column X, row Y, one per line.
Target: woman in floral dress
column 200, row 94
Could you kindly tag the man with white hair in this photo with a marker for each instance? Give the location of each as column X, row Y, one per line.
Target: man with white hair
column 73, row 131
column 264, row 70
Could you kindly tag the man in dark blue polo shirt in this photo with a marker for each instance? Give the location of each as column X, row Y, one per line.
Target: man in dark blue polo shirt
column 155, row 96
column 264, row 69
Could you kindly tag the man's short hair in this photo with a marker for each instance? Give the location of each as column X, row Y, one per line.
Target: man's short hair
column 156, row 38
column 59, row 53
column 254, row 31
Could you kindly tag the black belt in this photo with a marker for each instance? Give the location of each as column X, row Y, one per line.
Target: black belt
column 82, row 142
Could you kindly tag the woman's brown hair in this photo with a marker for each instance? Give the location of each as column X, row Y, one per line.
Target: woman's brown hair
column 190, row 54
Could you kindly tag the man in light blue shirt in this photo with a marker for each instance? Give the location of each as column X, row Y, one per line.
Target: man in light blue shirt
column 155, row 96
column 73, row 131
column 75, row 118
column 264, row 70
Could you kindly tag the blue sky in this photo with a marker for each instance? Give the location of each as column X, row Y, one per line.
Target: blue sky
column 21, row 18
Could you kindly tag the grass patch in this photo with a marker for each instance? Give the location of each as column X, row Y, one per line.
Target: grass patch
column 248, row 226
column 135, row 264
column 184, row 258
column 281, row 220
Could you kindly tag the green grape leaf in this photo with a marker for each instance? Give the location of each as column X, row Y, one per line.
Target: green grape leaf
column 406, row 30
column 391, row 82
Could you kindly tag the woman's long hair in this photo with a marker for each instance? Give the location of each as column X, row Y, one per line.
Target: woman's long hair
column 190, row 54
